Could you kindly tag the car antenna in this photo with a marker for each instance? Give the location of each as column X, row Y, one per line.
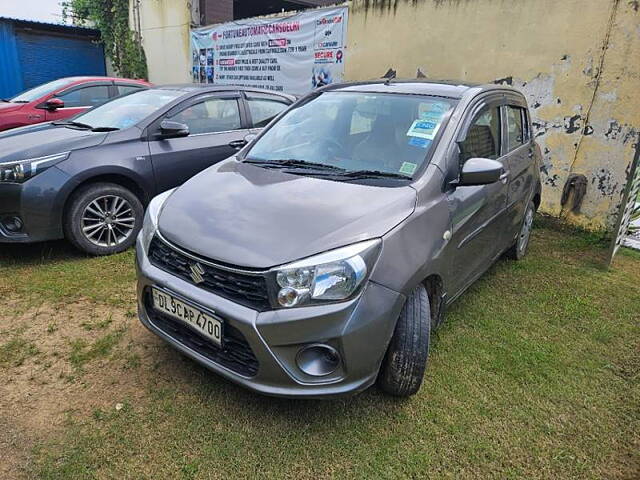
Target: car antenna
column 390, row 75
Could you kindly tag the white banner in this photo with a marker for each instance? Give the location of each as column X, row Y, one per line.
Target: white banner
column 293, row 54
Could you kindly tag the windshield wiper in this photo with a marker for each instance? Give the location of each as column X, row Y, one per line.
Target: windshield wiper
column 104, row 129
column 73, row 124
column 360, row 174
column 295, row 164
column 373, row 174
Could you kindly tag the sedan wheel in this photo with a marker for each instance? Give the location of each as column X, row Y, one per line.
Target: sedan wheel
column 103, row 219
column 108, row 221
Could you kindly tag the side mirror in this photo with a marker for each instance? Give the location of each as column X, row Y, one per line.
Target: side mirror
column 53, row 104
column 480, row 171
column 170, row 129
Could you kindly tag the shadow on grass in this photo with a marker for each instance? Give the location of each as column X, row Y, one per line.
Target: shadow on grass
column 41, row 253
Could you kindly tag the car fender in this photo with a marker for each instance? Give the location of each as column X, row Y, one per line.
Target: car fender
column 416, row 249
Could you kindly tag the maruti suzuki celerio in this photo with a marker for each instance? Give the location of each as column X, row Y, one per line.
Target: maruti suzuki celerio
column 318, row 259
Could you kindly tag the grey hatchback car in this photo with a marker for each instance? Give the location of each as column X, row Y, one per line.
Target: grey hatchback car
column 318, row 259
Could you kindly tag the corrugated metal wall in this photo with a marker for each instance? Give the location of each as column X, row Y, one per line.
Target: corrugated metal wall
column 32, row 53
column 10, row 73
column 46, row 57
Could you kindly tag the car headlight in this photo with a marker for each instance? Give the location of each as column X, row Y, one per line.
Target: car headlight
column 23, row 170
column 332, row 276
column 150, row 223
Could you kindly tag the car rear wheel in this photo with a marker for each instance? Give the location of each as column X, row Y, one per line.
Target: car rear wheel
column 519, row 249
column 103, row 219
column 406, row 359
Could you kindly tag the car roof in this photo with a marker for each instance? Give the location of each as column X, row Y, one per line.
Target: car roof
column 98, row 77
column 200, row 87
column 439, row 88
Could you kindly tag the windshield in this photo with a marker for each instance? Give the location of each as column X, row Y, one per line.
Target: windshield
column 124, row 112
column 388, row 133
column 41, row 91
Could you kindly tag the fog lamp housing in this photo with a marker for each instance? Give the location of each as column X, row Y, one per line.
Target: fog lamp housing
column 318, row 360
column 12, row 224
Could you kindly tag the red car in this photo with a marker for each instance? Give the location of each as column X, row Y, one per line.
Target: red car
column 63, row 98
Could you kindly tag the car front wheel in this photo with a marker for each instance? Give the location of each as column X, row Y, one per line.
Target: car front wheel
column 103, row 219
column 404, row 364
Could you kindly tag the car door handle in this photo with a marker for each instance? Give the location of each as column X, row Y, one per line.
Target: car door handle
column 237, row 144
column 504, row 177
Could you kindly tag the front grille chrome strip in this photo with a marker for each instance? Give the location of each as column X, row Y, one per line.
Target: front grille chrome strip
column 257, row 273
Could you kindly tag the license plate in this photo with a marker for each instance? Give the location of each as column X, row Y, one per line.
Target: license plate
column 201, row 322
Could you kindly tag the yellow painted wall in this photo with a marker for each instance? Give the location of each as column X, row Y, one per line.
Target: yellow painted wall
column 165, row 37
column 578, row 62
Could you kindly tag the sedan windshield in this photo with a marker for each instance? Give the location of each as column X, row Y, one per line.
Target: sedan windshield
column 41, row 91
column 351, row 133
column 126, row 111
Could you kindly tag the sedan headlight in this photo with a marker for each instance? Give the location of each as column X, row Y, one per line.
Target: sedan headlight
column 23, row 170
column 150, row 223
column 333, row 276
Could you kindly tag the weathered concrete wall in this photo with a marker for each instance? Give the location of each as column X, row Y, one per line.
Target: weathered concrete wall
column 578, row 62
column 165, row 38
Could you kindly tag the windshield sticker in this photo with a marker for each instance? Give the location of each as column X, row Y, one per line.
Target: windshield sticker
column 408, row 168
column 424, row 109
column 419, row 142
column 426, row 127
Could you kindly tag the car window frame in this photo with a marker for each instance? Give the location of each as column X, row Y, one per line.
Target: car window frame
column 469, row 121
column 80, row 86
column 523, row 125
column 248, row 95
column 153, row 128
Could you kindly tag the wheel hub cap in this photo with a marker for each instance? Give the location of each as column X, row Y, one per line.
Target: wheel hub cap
column 108, row 221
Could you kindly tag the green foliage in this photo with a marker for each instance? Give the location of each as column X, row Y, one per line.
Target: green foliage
column 111, row 17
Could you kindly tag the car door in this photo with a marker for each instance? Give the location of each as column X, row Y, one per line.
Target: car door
column 262, row 108
column 477, row 212
column 520, row 158
column 79, row 98
column 217, row 127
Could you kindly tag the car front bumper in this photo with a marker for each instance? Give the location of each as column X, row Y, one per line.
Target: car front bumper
column 359, row 329
column 38, row 203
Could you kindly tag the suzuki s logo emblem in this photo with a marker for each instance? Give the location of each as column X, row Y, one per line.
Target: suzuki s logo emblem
column 197, row 273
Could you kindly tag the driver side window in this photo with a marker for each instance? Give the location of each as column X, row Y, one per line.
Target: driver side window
column 210, row 116
column 483, row 136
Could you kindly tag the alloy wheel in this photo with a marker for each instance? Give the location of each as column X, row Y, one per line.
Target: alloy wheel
column 108, row 221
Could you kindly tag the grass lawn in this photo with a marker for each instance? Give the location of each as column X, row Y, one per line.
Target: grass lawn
column 535, row 374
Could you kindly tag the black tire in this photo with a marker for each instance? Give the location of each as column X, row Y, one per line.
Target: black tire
column 518, row 250
column 406, row 359
column 77, row 207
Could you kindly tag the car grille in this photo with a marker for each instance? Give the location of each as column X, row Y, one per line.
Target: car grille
column 235, row 354
column 246, row 289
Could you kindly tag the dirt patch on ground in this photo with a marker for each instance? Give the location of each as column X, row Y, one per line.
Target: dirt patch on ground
column 64, row 361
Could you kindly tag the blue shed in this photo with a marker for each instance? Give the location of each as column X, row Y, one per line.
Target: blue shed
column 32, row 53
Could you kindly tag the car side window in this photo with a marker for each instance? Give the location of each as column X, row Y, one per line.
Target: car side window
column 264, row 110
column 127, row 89
column 210, row 116
column 515, row 130
column 85, row 97
column 483, row 137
